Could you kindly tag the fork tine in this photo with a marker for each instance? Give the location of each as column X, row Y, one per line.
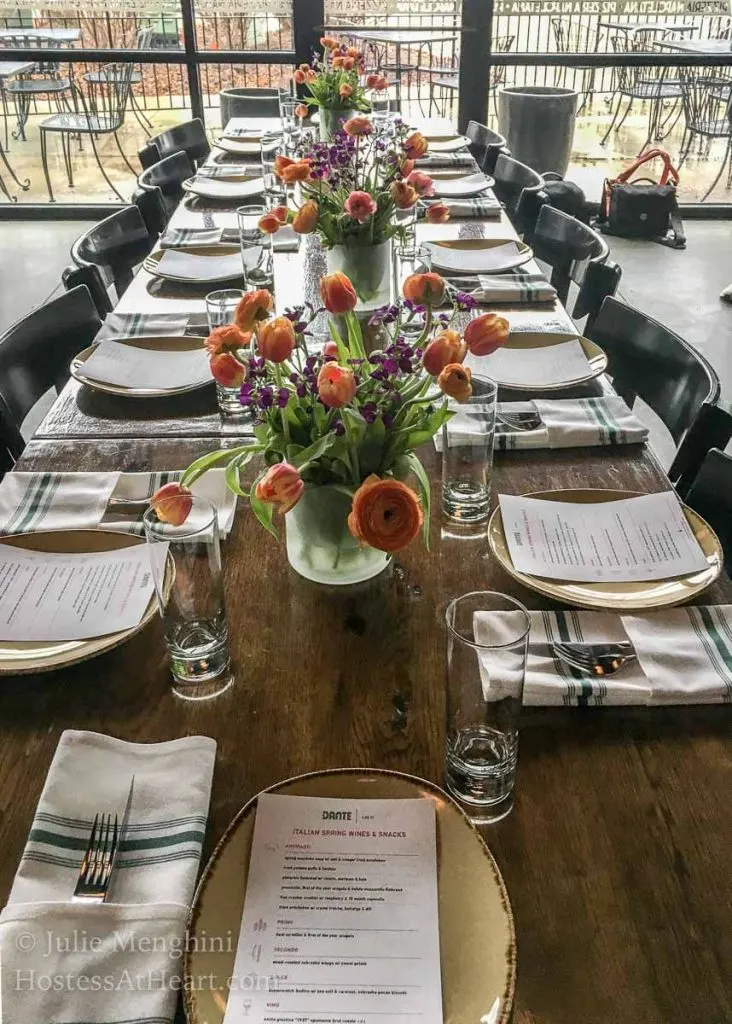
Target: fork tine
column 88, row 862
column 110, row 850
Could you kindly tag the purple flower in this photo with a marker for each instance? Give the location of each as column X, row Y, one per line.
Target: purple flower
column 283, row 397
column 369, row 411
column 301, row 390
column 388, row 420
column 338, row 428
column 266, row 398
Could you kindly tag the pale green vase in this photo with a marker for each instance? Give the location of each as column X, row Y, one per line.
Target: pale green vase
column 368, row 267
column 330, row 120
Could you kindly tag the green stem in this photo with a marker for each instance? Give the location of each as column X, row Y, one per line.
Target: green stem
column 427, row 328
column 283, row 412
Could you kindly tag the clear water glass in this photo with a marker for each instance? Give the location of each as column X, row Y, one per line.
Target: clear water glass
column 220, row 309
column 290, row 120
column 380, row 110
column 256, row 248
column 271, row 144
column 408, row 259
column 186, row 567
column 487, row 642
column 467, row 455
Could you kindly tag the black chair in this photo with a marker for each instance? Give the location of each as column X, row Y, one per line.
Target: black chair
column 168, row 175
column 45, row 79
column 143, row 41
column 485, row 145
column 35, row 354
column 705, row 96
column 712, row 428
column 189, row 138
column 115, row 246
column 11, row 440
column 151, row 204
column 89, row 276
column 711, row 496
column 647, row 360
column 512, row 178
column 566, row 244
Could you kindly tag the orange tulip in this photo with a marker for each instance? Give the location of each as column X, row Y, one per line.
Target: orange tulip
column 227, row 371
column 356, row 126
column 328, row 42
column 302, row 110
column 385, row 514
column 276, row 339
column 299, row 76
column 486, row 333
column 455, row 381
column 226, row 338
column 330, row 350
column 253, row 307
column 299, row 170
column 446, row 348
column 305, row 220
column 345, row 91
column 381, row 84
column 281, row 486
column 415, row 146
column 338, row 62
column 172, row 503
column 280, row 212
column 337, row 293
column 269, row 223
column 310, row 76
column 280, row 163
column 303, row 67
column 336, row 385
column 428, row 289
column 437, row 213
column 349, row 64
column 406, row 167
column 403, row 195
column 422, row 183
column 371, row 81
column 353, row 52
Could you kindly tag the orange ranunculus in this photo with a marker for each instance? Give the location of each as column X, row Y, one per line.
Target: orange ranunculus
column 297, row 171
column 437, row 213
column 356, row 126
column 299, row 76
column 227, row 371
column 406, row 167
column 385, row 514
column 280, row 212
column 403, row 195
column 172, row 503
column 281, row 485
column 447, row 347
column 338, row 61
column 336, row 385
column 328, row 42
column 371, row 81
column 345, row 91
column 306, row 219
column 269, row 223
column 455, row 381
column 428, row 289
column 225, row 338
column 422, row 183
column 337, row 293
column 276, row 339
column 254, row 306
column 302, row 110
column 360, row 206
column 280, row 163
column 486, row 333
column 310, row 76
column 330, row 350
column 415, row 146
column 353, row 52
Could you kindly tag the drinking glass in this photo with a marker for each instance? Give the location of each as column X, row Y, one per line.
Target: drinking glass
column 186, row 568
column 410, row 259
column 256, row 248
column 467, row 455
column 288, row 105
column 270, row 145
column 380, row 110
column 220, row 309
column 487, row 642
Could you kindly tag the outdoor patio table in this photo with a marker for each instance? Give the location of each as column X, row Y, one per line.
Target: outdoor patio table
column 398, row 38
column 52, row 35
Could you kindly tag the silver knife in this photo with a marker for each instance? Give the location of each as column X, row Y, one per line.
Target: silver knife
column 122, row 837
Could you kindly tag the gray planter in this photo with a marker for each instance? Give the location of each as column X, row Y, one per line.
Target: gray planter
column 538, row 123
column 248, row 103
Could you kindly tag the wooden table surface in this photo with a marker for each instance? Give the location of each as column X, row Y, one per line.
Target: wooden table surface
column 617, row 854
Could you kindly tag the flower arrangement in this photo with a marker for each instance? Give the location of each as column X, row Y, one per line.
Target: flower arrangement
column 333, row 81
column 340, row 418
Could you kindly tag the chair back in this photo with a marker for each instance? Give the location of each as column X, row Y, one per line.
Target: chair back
column 115, row 245
column 73, row 276
column 712, row 428
column 512, row 177
column 243, row 102
column 112, row 94
column 711, row 496
column 189, row 138
column 143, row 38
column 485, row 145
column 168, row 175
column 567, row 245
column 35, row 352
column 501, row 44
column 705, row 97
column 151, row 204
column 647, row 360
column 11, row 440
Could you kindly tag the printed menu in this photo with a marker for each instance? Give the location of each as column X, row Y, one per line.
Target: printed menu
column 340, row 920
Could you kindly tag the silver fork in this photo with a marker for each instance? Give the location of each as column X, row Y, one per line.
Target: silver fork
column 595, row 659
column 95, row 873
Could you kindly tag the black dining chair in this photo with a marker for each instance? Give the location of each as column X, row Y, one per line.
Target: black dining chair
column 712, row 428
column 485, row 145
column 511, row 179
column 11, row 440
column 73, row 276
column 168, row 175
column 647, row 360
column 710, row 495
column 35, row 354
column 189, row 138
column 151, row 204
column 115, row 246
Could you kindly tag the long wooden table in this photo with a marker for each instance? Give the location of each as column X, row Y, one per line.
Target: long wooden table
column 617, row 854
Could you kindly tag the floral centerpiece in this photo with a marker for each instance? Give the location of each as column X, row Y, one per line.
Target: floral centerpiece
column 336, row 84
column 338, row 429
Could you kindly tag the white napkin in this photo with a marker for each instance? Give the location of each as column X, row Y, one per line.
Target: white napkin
column 70, row 962
column 684, row 656
column 485, row 206
column 189, row 267
column 573, row 423
column 143, row 325
column 77, row 501
column 215, row 188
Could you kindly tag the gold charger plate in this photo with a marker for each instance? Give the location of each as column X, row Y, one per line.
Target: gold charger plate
column 469, row 245
column 150, row 263
column 171, row 344
column 477, row 941
column 30, row 656
column 528, row 340
column 622, row 597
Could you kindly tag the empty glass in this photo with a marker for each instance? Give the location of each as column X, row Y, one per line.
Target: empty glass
column 256, row 248
column 220, row 309
column 290, row 120
column 186, row 566
column 467, row 455
column 487, row 642
column 270, row 145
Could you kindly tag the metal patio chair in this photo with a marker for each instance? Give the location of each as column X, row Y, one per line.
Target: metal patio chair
column 143, row 41
column 44, row 79
column 450, row 82
column 573, row 36
column 706, row 102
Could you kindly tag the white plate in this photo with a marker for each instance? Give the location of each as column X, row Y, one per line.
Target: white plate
column 217, row 188
column 243, row 146
column 479, row 255
column 223, row 263
column 447, row 145
column 460, row 185
column 171, row 344
column 529, row 342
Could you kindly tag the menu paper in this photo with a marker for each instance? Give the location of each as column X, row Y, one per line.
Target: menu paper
column 642, row 538
column 130, row 366
column 340, row 919
column 49, row 596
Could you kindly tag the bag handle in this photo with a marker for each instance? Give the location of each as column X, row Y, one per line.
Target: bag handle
column 669, row 172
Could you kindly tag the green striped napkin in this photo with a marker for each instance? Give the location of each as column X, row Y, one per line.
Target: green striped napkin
column 181, row 238
column 484, row 207
column 573, row 423
column 139, row 933
column 524, row 286
column 229, row 171
column 684, row 656
column 463, row 158
column 143, row 325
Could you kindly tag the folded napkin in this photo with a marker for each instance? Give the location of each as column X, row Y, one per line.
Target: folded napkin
column 143, row 325
column 230, row 171
column 573, row 423
column 121, row 960
column 181, row 238
column 76, row 501
column 461, row 158
column 526, row 285
column 684, row 656
column 484, row 207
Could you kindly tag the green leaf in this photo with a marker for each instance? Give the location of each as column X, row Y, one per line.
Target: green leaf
column 206, row 462
column 314, row 451
column 355, row 338
column 233, row 473
column 342, row 349
column 263, row 510
column 418, row 469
